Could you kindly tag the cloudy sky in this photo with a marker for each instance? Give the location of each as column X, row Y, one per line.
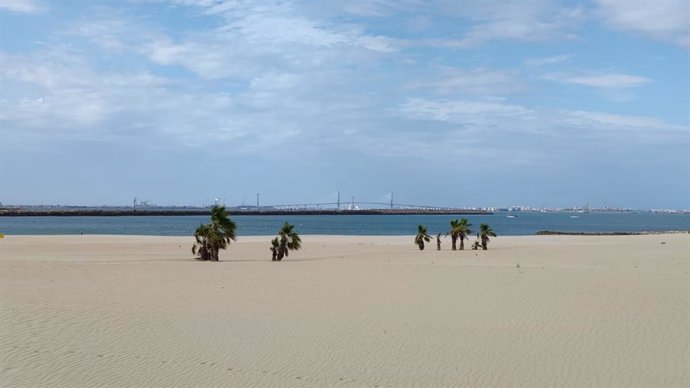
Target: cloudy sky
column 463, row 103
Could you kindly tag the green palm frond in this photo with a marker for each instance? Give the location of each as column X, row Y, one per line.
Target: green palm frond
column 485, row 230
column 210, row 238
column 463, row 228
column 422, row 235
column 456, row 227
column 296, row 242
column 287, row 240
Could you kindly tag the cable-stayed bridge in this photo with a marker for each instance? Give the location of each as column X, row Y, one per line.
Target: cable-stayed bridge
column 352, row 205
column 301, row 209
column 141, row 208
column 345, row 205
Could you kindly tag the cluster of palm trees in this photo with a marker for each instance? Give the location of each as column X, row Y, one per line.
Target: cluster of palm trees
column 211, row 238
column 459, row 229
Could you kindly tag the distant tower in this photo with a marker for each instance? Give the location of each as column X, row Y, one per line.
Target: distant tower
column 338, row 199
column 134, row 203
column 353, row 202
column 257, row 201
column 391, row 200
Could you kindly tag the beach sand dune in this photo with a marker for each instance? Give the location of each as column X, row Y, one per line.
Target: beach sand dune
column 345, row 311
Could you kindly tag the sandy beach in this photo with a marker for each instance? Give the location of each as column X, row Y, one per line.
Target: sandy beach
column 346, row 311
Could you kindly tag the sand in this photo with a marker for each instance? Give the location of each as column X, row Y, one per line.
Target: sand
column 538, row 311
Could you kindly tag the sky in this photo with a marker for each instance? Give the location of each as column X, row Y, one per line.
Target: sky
column 543, row 103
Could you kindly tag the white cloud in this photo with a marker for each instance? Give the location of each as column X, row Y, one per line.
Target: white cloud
column 275, row 30
column 624, row 129
column 667, row 20
column 279, row 23
column 48, row 70
column 522, row 20
column 22, row 6
column 321, row 24
column 493, row 120
column 256, row 86
column 59, row 95
column 631, row 122
column 604, row 80
column 256, row 37
column 488, row 20
column 369, row 8
column 208, row 59
column 543, row 61
column 113, row 31
column 459, row 111
column 266, row 75
column 482, row 81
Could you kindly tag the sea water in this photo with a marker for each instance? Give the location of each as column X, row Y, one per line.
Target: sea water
column 524, row 223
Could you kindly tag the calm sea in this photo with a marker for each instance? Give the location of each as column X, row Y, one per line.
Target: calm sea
column 522, row 224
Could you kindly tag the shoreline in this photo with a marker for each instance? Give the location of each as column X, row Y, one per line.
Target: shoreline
column 642, row 233
column 541, row 233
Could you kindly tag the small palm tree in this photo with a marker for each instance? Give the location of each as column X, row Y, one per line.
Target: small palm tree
column 463, row 229
column 422, row 236
column 484, row 232
column 203, row 235
column 211, row 238
column 454, row 233
column 274, row 249
column 288, row 240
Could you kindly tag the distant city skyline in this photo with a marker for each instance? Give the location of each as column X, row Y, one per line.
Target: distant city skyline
column 541, row 103
column 349, row 204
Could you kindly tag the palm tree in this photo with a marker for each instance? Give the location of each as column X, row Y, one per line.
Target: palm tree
column 484, row 232
column 463, row 229
column 211, row 238
column 274, row 248
column 288, row 240
column 454, row 233
column 203, row 235
column 422, row 236
column 438, row 242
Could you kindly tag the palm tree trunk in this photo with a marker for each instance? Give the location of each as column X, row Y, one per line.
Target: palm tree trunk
column 281, row 251
column 484, row 243
column 421, row 245
column 454, row 241
column 462, row 243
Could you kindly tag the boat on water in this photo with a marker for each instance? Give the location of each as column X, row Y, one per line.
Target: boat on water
column 574, row 216
column 511, row 216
